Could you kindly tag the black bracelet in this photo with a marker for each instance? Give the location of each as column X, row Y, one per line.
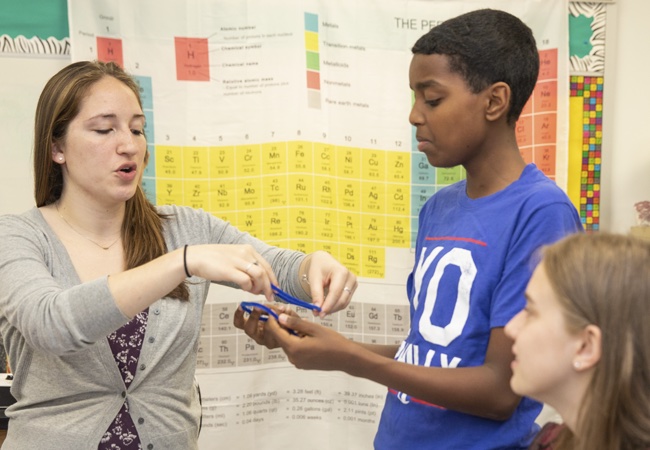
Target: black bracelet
column 187, row 272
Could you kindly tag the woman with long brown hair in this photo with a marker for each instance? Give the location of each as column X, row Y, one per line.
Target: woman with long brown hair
column 582, row 344
column 97, row 315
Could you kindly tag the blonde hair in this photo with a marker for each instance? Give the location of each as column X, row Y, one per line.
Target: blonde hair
column 57, row 106
column 604, row 279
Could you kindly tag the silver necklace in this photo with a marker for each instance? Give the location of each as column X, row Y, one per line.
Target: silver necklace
column 56, row 205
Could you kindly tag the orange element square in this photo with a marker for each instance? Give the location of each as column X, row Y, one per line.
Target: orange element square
column 547, row 64
column 192, row 59
column 545, row 128
column 110, row 50
column 524, row 131
column 545, row 95
column 313, row 80
column 544, row 159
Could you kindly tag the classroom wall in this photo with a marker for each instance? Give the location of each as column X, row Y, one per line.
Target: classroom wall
column 626, row 115
column 626, row 143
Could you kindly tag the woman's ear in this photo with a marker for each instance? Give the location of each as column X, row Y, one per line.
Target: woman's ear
column 590, row 348
column 498, row 101
column 57, row 154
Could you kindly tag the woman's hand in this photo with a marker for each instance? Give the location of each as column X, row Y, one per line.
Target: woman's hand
column 239, row 264
column 331, row 285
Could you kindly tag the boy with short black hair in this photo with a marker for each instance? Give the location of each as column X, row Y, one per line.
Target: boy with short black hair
column 448, row 382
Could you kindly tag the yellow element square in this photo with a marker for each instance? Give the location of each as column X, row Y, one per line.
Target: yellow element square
column 590, row 194
column 311, row 41
column 373, row 262
column 250, row 221
column 349, row 195
column 249, row 159
column 223, row 195
column 168, row 161
column 222, row 162
column 324, row 159
column 398, row 232
column 301, row 189
column 325, row 192
column 248, row 193
column 349, row 227
column 398, row 199
column 599, row 107
column 586, row 94
column 592, row 114
column 595, row 213
column 590, row 220
column 596, row 187
column 302, row 246
column 600, row 80
column 301, row 156
column 373, row 197
column 583, row 201
column 373, row 165
column 326, row 225
column 228, row 216
column 329, row 247
column 169, row 192
column 274, row 158
column 348, row 162
column 274, row 190
column 195, row 162
column 275, row 224
column 398, row 167
column 350, row 257
column 597, row 160
column 195, row 194
column 373, row 230
column 301, row 223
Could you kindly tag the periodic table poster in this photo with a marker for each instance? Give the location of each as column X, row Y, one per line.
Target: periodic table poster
column 290, row 120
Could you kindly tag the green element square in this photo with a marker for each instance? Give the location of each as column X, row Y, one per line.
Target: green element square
column 313, row 61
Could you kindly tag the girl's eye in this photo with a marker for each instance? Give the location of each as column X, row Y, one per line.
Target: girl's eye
column 104, row 131
column 435, row 102
column 138, row 132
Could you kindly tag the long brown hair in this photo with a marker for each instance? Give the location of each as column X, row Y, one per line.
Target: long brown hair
column 604, row 279
column 57, row 106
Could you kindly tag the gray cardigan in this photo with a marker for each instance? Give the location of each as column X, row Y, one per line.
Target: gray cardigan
column 67, row 385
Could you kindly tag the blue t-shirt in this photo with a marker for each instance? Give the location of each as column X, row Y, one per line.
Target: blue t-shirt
column 472, row 264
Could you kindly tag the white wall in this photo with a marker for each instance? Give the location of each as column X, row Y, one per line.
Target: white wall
column 626, row 118
column 626, row 114
column 21, row 82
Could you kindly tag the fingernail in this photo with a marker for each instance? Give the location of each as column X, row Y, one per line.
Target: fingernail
column 282, row 318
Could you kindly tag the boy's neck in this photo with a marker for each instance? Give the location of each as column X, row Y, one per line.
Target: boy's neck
column 494, row 174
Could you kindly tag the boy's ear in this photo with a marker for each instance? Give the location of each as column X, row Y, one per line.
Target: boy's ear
column 498, row 101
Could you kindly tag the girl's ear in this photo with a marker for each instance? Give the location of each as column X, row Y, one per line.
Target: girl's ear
column 590, row 348
column 498, row 101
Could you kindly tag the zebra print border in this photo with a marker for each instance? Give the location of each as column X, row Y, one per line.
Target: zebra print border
column 21, row 45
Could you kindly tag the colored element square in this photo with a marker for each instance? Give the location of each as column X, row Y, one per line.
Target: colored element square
column 311, row 22
column 313, row 80
column 110, row 50
column 192, row 59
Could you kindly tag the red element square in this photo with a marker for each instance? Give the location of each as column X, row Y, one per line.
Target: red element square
column 110, row 50
column 313, row 80
column 192, row 59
